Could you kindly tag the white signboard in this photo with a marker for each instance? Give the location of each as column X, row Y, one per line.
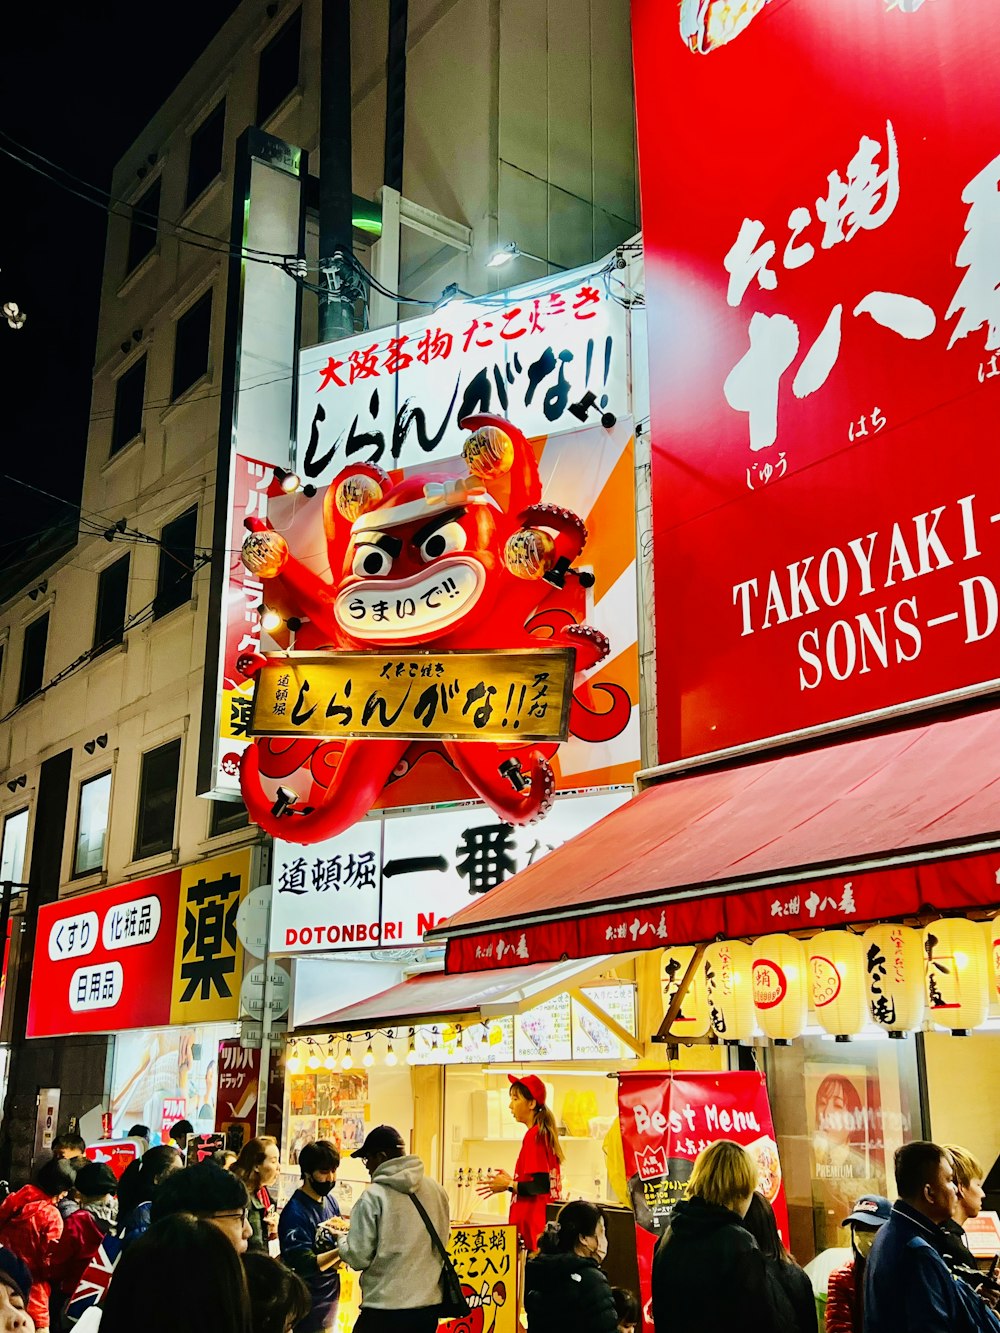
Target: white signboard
column 395, row 395
column 386, row 882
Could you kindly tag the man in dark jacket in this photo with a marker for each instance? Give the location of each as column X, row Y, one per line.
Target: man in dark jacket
column 908, row 1287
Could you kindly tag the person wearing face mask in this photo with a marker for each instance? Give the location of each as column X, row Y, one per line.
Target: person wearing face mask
column 309, row 1210
column 564, row 1286
column 845, row 1289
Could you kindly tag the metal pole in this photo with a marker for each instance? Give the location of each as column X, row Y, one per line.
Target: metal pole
column 336, row 245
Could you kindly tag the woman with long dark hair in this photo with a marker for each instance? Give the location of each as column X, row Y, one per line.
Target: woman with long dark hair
column 536, row 1179
column 258, row 1166
column 564, row 1286
column 135, row 1196
column 785, row 1274
column 211, row 1296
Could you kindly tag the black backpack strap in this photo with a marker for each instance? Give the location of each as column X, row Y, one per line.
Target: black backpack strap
column 431, row 1230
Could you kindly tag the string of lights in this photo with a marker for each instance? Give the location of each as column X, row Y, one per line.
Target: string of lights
column 438, row 1047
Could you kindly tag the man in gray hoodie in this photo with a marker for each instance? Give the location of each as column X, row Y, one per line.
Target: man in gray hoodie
column 389, row 1243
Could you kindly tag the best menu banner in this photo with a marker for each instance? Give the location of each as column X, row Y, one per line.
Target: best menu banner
column 666, row 1120
column 821, row 211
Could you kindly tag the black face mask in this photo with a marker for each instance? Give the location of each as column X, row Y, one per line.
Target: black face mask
column 321, row 1187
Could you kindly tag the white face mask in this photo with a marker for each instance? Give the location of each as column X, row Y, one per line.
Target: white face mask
column 600, row 1248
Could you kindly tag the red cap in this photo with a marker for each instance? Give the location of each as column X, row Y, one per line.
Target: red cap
column 533, row 1083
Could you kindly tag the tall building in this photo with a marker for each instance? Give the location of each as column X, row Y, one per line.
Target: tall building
column 474, row 125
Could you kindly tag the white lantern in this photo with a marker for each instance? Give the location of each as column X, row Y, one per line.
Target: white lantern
column 836, row 972
column 894, row 977
column 728, row 989
column 692, row 1020
column 957, row 975
column 778, row 970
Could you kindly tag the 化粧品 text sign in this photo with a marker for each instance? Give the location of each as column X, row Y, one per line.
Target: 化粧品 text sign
column 825, row 335
column 490, row 696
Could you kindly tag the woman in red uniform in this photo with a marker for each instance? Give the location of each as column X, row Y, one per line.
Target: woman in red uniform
column 536, row 1178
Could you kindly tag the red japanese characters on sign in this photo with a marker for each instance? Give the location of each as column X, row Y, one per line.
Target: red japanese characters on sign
column 104, row 961
column 666, row 1121
column 824, row 334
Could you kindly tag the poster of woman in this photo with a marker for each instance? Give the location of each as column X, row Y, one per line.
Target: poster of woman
column 848, row 1158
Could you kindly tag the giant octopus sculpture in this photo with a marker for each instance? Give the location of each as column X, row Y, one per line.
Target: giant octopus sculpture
column 390, row 540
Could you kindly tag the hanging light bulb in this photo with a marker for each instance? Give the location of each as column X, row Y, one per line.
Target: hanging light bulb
column 391, row 1058
column 348, row 1060
column 411, row 1053
column 271, row 620
column 313, row 1061
column 294, row 1062
column 369, row 1057
column 330, row 1062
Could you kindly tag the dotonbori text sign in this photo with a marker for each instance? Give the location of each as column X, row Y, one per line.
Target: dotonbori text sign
column 395, row 396
column 385, row 882
column 486, row 696
column 821, row 215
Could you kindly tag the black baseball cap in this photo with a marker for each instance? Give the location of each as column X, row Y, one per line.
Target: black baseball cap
column 383, row 1138
column 871, row 1210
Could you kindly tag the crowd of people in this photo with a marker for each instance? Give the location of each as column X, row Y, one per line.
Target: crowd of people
column 243, row 1268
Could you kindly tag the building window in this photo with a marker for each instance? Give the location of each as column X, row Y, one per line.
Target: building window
column 142, row 231
column 157, row 800
column 194, row 329
column 227, row 817
column 92, row 824
column 175, row 576
column 33, row 658
column 205, row 155
column 12, row 849
column 130, row 390
column 278, row 73
column 112, row 600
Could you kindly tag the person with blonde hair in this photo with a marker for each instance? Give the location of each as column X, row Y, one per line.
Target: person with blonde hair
column 708, row 1271
column 969, row 1195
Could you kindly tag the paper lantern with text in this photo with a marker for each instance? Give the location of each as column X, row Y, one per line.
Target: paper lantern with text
column 956, row 969
column 894, row 977
column 778, row 971
column 837, row 982
column 692, row 1021
column 991, row 930
column 728, row 990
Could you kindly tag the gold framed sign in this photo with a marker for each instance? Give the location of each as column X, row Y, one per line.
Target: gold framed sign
column 496, row 695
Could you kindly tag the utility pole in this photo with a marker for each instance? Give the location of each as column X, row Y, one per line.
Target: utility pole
column 339, row 277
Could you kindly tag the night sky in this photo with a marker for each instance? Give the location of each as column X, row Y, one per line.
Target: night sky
column 79, row 82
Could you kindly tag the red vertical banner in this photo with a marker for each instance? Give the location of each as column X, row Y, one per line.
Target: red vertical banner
column 667, row 1119
column 820, row 207
column 236, row 1103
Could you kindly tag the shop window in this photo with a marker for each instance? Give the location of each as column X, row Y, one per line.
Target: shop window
column 158, row 800
column 175, row 574
column 112, row 602
column 36, row 636
column 130, row 392
column 227, row 817
column 278, row 72
column 160, row 1077
column 142, row 231
column 191, row 344
column 14, row 845
column 840, row 1112
column 92, row 824
column 205, row 154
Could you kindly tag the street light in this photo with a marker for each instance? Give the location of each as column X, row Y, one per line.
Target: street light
column 513, row 251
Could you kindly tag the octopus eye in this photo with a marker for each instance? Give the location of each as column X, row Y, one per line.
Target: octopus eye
column 371, row 561
column 450, row 537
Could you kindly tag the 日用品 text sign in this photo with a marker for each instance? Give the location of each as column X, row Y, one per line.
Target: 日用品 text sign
column 487, row 696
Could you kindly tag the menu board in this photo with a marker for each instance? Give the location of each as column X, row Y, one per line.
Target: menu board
column 326, row 1104
column 591, row 1039
column 544, row 1032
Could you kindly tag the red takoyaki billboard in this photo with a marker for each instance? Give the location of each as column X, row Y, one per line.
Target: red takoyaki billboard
column 821, row 213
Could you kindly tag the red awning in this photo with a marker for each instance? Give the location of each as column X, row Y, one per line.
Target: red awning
column 859, row 830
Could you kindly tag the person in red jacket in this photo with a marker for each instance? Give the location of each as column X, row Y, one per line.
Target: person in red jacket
column 536, row 1179
column 30, row 1226
column 845, row 1289
column 83, row 1231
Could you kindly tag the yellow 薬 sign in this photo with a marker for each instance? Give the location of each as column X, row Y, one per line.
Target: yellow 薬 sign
column 501, row 695
column 208, row 956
